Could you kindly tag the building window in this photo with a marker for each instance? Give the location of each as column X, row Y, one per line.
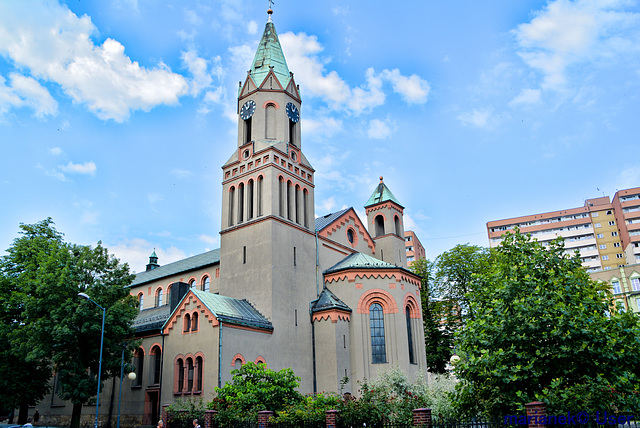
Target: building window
column 194, row 322
column 157, row 364
column 605, row 257
column 270, row 123
column 635, row 284
column 190, row 373
column 250, row 200
column 600, row 235
column 612, row 223
column 238, row 364
column 186, row 323
column 619, row 256
column 297, row 201
column 616, row 287
column 603, row 246
column 609, row 212
column 378, row 349
column 232, row 193
column 350, row 235
column 597, row 225
column 614, row 233
column 594, row 214
column 199, row 370
column 159, row 297
column 294, row 256
column 305, row 211
column 616, row 244
column 259, row 195
column 206, row 284
column 240, row 202
column 141, row 300
column 192, row 284
column 379, row 224
column 412, row 359
column 410, row 258
column 179, row 375
column 290, row 200
column 138, row 364
column 397, row 224
column 247, row 130
column 244, row 255
column 281, row 196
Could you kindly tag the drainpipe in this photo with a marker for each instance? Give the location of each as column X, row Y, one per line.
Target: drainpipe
column 313, row 346
column 220, row 356
column 161, row 372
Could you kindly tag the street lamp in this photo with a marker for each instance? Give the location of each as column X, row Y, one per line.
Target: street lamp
column 131, row 376
column 104, row 311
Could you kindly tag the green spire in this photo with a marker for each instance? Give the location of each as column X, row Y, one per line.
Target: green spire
column 269, row 54
column 381, row 194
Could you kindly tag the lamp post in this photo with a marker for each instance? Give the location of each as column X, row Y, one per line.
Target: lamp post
column 131, row 376
column 104, row 312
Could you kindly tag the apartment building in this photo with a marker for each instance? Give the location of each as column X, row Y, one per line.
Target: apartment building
column 625, row 285
column 413, row 247
column 605, row 233
column 626, row 204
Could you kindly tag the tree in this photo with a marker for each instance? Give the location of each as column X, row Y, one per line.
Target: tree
column 446, row 283
column 253, row 388
column 542, row 330
column 42, row 276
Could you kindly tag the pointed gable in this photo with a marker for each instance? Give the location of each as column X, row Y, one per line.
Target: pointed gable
column 269, row 56
column 330, row 223
column 382, row 194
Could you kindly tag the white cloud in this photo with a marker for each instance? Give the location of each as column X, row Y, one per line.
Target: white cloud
column 88, row 215
column 413, row 89
column 378, row 129
column 56, row 151
column 181, row 173
column 56, row 46
column 323, row 126
column 572, row 32
column 252, row 27
column 136, row 253
column 154, row 198
column 202, row 77
column 303, row 57
column 192, row 17
column 76, row 168
column 26, row 92
column 477, row 118
column 526, row 96
column 326, row 206
column 213, row 240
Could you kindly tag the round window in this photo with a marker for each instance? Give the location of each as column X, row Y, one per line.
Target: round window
column 294, row 156
column 245, row 154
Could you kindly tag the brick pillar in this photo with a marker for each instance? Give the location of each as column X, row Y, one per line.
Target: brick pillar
column 422, row 417
column 209, row 421
column 536, row 414
column 165, row 416
column 331, row 418
column 263, row 418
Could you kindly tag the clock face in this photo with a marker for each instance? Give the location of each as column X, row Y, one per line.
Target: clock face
column 247, row 109
column 293, row 113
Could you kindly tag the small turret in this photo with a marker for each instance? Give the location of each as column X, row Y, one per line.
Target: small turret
column 153, row 261
column 386, row 224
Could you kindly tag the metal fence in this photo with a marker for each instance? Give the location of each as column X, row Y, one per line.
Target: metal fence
column 467, row 423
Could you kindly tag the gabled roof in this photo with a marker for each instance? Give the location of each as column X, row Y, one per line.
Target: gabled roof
column 184, row 265
column 232, row 311
column 360, row 261
column 269, row 54
column 151, row 319
column 328, row 300
column 322, row 222
column 381, row 194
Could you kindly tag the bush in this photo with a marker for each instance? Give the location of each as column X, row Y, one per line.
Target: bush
column 182, row 413
column 311, row 409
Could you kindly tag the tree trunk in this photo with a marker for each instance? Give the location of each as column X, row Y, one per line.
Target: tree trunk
column 23, row 413
column 75, row 416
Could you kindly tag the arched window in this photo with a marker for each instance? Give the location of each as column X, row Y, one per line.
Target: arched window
column 141, row 300
column 232, row 194
column 238, row 363
column 157, row 364
column 206, row 284
column 412, row 358
column 192, row 284
column 187, row 322
column 190, row 373
column 350, row 235
column 168, row 297
column 199, row 370
column 297, row 202
column 376, row 319
column 281, row 196
column 250, row 200
column 194, row 322
column 179, row 375
column 305, row 202
column 270, row 123
column 159, row 297
column 379, row 220
column 247, row 130
column 398, row 228
column 138, row 364
column 240, row 202
column 290, row 200
column 259, row 195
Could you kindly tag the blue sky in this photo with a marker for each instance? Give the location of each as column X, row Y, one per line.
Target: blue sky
column 116, row 115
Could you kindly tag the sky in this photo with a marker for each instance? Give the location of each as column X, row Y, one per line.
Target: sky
column 117, row 115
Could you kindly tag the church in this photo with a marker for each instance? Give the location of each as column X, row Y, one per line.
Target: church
column 330, row 296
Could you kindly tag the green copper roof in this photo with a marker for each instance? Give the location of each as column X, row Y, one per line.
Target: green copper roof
column 327, row 300
column 359, row 261
column 233, row 311
column 269, row 54
column 381, row 194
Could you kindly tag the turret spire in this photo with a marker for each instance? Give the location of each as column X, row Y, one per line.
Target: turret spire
column 269, row 56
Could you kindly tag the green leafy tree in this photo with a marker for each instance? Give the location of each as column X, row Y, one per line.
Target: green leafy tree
column 55, row 329
column 446, row 283
column 253, row 388
column 542, row 330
